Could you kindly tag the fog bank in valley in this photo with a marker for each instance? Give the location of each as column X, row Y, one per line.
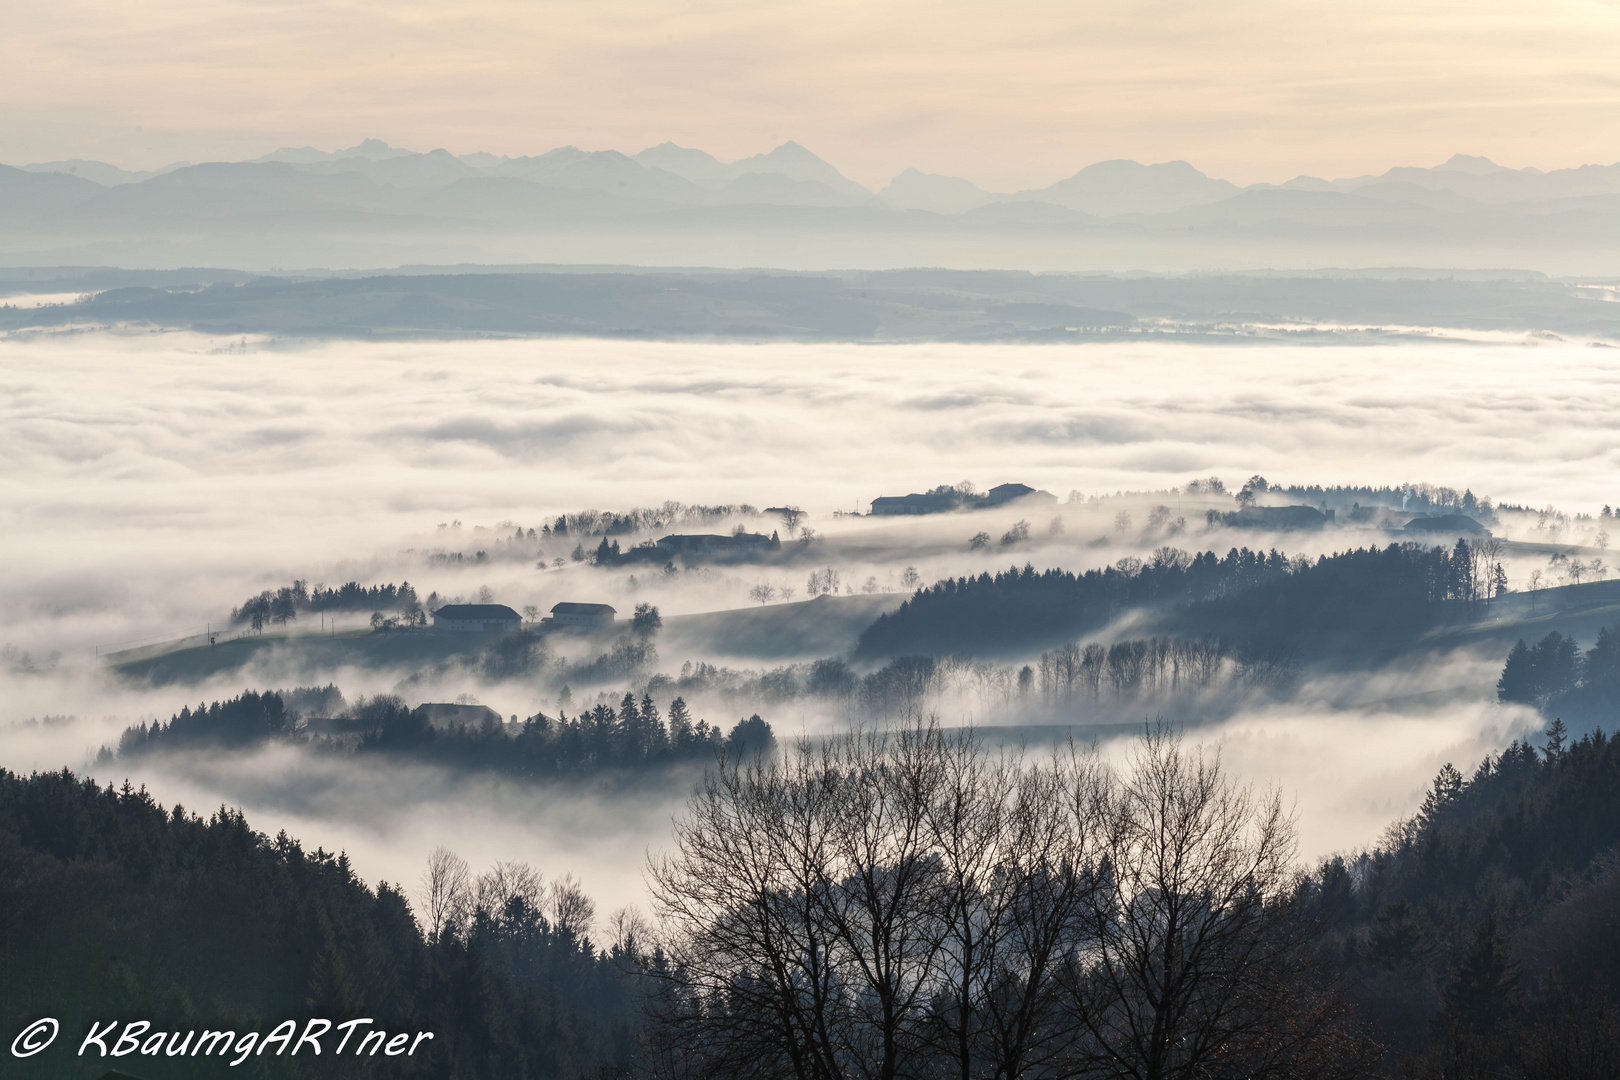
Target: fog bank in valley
column 156, row 482
column 1347, row 772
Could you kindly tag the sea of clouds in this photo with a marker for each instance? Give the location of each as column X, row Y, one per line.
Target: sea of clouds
column 152, row 482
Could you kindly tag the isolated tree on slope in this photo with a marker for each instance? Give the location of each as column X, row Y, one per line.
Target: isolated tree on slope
column 646, row 622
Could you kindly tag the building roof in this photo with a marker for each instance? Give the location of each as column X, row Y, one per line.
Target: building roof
column 570, row 608
column 438, row 713
column 1004, row 493
column 940, row 500
column 1010, row 491
column 477, row 612
column 1456, row 524
column 746, row 539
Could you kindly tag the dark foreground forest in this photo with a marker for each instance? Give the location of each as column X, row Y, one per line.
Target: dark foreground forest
column 114, row 908
column 874, row 907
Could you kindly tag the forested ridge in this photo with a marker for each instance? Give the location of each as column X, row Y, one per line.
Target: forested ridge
column 1482, row 936
column 634, row 737
column 1364, row 593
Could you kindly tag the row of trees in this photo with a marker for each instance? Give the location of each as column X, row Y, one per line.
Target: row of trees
column 510, row 897
column 1423, row 498
column 826, row 582
column 911, row 905
column 598, row 740
column 289, row 601
column 1156, row 668
column 1069, row 676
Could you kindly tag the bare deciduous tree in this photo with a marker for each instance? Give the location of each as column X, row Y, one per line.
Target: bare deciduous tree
column 446, row 891
column 506, row 883
column 1195, row 950
column 792, row 518
column 906, row 904
column 571, row 910
column 632, row 932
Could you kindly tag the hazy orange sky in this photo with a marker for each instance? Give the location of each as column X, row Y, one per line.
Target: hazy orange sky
column 1011, row 94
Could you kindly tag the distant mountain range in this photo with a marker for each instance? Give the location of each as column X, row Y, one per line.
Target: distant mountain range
column 670, row 205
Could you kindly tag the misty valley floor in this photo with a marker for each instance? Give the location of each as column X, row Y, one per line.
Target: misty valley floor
column 339, row 461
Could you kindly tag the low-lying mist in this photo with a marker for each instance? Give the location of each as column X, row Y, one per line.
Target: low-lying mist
column 155, row 483
column 1349, row 770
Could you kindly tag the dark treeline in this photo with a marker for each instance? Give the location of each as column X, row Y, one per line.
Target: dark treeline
column 1015, row 607
column 1556, row 677
column 113, row 908
column 599, row 740
column 1397, row 590
column 1483, row 935
column 288, row 602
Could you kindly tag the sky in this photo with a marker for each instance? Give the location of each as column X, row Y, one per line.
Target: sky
column 1011, row 95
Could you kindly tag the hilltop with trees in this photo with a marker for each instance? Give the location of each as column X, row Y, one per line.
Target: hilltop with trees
column 600, row 740
column 1374, row 595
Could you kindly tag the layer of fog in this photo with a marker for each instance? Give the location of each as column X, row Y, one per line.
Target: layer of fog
column 1349, row 771
column 153, row 483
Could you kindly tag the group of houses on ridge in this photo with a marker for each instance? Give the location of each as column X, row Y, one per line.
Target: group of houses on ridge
column 566, row 617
